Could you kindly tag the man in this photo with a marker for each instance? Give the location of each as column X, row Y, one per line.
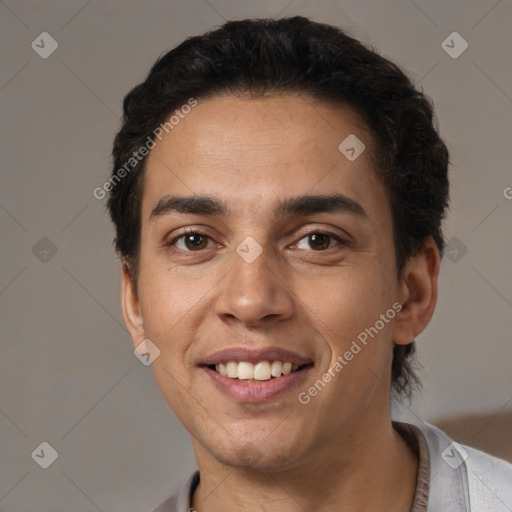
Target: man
column 278, row 192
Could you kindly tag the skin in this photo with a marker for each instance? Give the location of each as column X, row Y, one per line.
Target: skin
column 281, row 455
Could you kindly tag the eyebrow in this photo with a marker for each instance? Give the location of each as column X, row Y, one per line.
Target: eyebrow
column 299, row 205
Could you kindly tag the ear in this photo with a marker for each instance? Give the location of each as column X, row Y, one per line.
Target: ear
column 417, row 293
column 130, row 305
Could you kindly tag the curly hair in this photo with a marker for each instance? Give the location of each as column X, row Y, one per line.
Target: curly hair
column 267, row 56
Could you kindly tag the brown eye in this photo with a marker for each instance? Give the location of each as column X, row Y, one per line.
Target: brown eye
column 191, row 242
column 319, row 241
column 195, row 241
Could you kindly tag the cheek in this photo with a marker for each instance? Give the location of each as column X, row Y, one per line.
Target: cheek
column 346, row 302
column 170, row 305
column 171, row 308
column 347, row 312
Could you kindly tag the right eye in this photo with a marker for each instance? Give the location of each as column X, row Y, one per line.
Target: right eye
column 191, row 241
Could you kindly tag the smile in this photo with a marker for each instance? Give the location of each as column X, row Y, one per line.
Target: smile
column 261, row 371
column 255, row 375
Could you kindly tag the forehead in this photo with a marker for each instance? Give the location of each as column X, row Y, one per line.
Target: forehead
column 249, row 152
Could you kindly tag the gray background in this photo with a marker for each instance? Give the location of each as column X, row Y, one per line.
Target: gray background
column 67, row 370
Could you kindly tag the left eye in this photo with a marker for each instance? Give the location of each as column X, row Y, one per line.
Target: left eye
column 318, row 241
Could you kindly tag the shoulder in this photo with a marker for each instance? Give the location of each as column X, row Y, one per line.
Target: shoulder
column 489, row 481
column 470, row 478
column 181, row 501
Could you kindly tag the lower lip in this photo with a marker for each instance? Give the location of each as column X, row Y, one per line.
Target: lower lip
column 256, row 391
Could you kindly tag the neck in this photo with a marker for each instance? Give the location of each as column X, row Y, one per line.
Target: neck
column 374, row 470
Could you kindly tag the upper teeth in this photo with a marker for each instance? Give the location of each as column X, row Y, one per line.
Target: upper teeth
column 264, row 370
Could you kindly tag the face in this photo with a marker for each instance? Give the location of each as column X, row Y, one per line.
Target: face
column 262, row 243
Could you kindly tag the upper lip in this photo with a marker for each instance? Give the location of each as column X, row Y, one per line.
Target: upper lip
column 254, row 356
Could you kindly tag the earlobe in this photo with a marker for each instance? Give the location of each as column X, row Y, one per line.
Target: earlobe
column 130, row 305
column 417, row 293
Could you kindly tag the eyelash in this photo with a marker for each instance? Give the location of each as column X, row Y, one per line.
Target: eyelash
column 191, row 231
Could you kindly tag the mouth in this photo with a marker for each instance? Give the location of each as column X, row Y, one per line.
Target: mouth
column 256, row 375
column 261, row 371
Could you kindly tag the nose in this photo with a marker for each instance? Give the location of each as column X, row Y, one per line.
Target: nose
column 254, row 294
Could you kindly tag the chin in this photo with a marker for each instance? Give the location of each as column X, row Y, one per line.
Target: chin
column 257, row 454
